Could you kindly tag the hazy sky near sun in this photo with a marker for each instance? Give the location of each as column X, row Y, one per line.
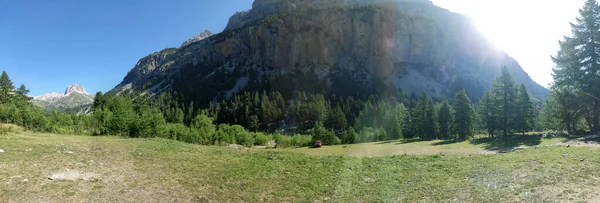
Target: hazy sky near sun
column 528, row 30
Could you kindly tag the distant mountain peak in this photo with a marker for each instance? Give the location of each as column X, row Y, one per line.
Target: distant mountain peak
column 203, row 35
column 74, row 98
column 75, row 88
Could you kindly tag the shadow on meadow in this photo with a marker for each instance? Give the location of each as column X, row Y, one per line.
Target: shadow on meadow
column 508, row 142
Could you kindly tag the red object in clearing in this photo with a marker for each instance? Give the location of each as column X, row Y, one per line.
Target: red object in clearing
column 318, row 144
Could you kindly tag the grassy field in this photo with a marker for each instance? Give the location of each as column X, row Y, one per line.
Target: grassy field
column 114, row 169
column 477, row 146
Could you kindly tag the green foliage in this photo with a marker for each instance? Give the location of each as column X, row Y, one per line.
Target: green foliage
column 525, row 112
column 576, row 82
column 424, row 117
column 381, row 134
column 444, row 118
column 204, row 125
column 463, row 117
column 350, row 136
column 284, row 141
column 320, row 133
column 260, row 139
column 554, row 134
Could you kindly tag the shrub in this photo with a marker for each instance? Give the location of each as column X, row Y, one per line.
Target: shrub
column 368, row 135
column 350, row 137
column 282, row 140
column 260, row 139
column 320, row 133
column 381, row 134
column 555, row 134
column 205, row 127
column 302, row 141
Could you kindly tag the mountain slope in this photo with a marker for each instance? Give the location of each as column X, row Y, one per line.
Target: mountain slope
column 74, row 100
column 342, row 47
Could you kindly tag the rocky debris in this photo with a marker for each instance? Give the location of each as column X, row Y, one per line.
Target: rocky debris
column 73, row 175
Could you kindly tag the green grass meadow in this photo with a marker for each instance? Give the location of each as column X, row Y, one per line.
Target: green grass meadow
column 158, row 170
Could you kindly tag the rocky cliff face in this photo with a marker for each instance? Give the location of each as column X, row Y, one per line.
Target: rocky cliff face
column 73, row 100
column 75, row 88
column 342, row 47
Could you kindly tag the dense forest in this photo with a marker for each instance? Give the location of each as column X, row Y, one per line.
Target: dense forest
column 255, row 118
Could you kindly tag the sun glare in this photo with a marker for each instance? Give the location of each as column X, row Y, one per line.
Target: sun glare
column 527, row 30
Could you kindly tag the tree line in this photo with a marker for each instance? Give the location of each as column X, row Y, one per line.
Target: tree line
column 251, row 118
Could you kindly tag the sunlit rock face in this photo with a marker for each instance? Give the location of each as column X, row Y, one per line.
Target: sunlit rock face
column 343, row 47
column 74, row 99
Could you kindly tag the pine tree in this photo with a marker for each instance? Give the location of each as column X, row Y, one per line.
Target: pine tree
column 464, row 114
column 488, row 113
column 504, row 92
column 525, row 111
column 6, row 88
column 22, row 92
column 444, row 118
column 578, row 62
column 425, row 118
column 393, row 121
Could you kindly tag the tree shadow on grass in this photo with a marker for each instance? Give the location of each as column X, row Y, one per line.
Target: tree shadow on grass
column 508, row 142
column 406, row 141
column 446, row 142
column 385, row 142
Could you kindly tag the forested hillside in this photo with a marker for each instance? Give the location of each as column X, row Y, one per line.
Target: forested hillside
column 254, row 118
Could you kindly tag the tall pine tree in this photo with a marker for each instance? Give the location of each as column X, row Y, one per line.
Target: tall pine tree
column 464, row 116
column 578, row 62
column 504, row 91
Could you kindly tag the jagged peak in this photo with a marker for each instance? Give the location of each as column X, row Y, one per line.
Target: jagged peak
column 75, row 88
column 203, row 35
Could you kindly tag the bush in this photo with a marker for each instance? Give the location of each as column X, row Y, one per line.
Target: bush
column 350, row 137
column 555, row 134
column 327, row 137
column 282, row 141
column 205, row 127
column 381, row 134
column 177, row 132
column 368, row 135
column 302, row 141
column 234, row 134
column 260, row 139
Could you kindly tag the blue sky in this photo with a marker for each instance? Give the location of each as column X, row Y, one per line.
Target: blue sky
column 48, row 45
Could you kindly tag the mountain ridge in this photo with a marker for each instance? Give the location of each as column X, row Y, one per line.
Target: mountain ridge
column 346, row 48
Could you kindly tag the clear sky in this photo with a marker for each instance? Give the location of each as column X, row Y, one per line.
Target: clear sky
column 48, row 45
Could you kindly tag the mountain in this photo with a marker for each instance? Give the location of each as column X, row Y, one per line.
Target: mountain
column 74, row 100
column 343, row 47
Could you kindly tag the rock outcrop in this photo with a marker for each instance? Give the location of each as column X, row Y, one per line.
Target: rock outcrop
column 197, row 38
column 342, row 47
